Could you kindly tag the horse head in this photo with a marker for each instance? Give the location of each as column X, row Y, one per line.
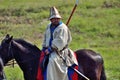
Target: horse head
column 25, row 54
column 5, row 48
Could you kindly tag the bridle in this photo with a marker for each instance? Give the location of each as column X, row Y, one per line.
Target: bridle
column 10, row 50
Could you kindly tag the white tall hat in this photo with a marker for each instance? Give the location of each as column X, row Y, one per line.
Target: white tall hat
column 54, row 13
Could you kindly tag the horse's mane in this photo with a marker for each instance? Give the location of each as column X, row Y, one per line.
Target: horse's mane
column 27, row 44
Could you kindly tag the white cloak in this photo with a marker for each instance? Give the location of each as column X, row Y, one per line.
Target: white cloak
column 57, row 68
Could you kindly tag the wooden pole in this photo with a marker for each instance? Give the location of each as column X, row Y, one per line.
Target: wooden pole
column 71, row 14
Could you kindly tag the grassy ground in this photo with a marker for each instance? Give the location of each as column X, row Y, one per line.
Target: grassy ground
column 95, row 25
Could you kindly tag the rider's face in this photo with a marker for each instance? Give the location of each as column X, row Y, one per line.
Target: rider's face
column 55, row 21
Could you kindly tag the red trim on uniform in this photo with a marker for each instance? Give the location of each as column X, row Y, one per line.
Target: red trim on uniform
column 75, row 75
column 39, row 74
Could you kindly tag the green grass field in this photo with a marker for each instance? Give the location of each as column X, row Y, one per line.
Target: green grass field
column 94, row 25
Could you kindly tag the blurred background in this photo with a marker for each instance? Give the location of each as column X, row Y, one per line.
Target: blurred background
column 95, row 24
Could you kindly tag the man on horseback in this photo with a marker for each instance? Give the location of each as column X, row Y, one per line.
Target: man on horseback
column 55, row 44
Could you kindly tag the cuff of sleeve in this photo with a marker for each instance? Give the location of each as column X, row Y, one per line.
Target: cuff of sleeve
column 50, row 49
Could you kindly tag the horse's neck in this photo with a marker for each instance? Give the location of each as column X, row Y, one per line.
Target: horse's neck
column 25, row 52
column 19, row 45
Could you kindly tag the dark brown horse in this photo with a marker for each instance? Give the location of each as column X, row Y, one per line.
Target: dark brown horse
column 27, row 56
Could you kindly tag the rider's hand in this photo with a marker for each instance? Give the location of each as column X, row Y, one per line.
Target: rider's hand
column 46, row 51
column 49, row 50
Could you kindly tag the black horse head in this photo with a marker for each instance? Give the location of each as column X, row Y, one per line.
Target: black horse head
column 5, row 48
column 25, row 54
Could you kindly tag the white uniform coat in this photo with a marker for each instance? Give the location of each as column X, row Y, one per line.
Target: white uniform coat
column 57, row 69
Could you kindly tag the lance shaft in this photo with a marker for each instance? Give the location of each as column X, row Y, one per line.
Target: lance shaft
column 71, row 14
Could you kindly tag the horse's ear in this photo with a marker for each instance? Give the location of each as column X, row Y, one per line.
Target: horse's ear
column 11, row 38
column 7, row 36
